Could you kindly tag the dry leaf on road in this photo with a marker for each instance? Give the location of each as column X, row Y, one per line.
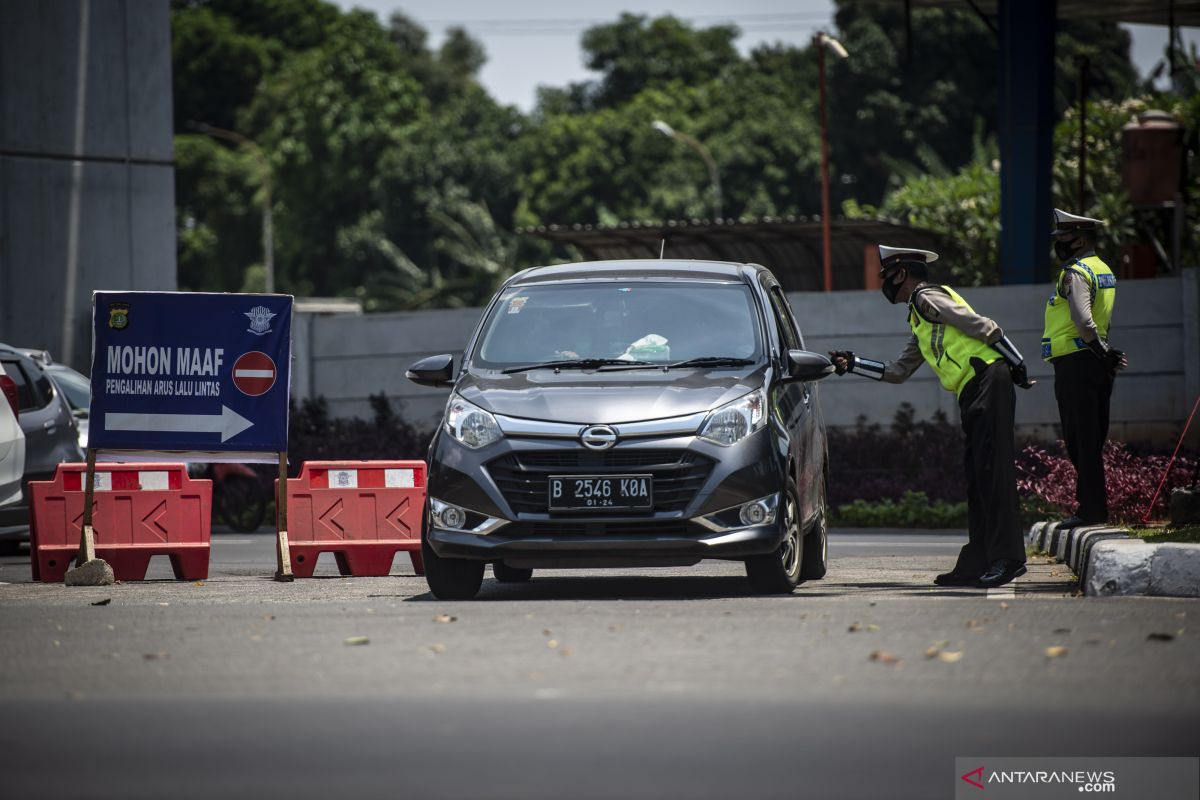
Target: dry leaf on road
column 949, row 656
column 1056, row 651
column 103, row 602
column 437, row 648
column 444, row 618
column 884, row 657
column 354, row 641
column 1160, row 637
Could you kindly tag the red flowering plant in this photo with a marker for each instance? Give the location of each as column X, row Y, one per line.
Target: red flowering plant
column 1046, row 481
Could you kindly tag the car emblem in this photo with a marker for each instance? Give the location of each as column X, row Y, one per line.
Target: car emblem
column 598, row 437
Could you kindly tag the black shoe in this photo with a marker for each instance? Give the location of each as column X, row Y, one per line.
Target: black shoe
column 956, row 579
column 999, row 573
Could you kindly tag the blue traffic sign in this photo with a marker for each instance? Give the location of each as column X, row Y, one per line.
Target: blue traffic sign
column 184, row 371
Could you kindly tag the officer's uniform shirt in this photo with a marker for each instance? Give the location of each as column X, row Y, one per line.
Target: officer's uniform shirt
column 1079, row 301
column 937, row 306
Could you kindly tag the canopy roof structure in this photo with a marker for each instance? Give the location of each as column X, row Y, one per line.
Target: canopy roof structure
column 789, row 246
column 1150, row 12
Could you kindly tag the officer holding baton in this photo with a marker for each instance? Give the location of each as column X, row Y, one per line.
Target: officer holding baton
column 974, row 359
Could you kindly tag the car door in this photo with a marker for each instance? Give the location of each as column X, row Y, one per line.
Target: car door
column 791, row 399
column 807, row 444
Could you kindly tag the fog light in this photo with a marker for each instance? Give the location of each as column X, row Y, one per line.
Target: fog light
column 754, row 513
column 453, row 517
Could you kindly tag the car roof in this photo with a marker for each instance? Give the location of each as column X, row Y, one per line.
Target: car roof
column 672, row 269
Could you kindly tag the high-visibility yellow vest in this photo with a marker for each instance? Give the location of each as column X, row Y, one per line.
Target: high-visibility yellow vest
column 1060, row 337
column 947, row 349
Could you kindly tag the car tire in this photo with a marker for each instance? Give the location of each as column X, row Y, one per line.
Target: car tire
column 814, row 560
column 779, row 572
column 451, row 578
column 507, row 574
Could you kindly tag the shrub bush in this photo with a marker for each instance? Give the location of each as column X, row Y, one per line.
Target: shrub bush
column 913, row 510
column 314, row 436
column 869, row 463
column 1047, row 479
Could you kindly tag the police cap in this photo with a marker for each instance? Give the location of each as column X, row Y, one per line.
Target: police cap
column 889, row 256
column 1065, row 223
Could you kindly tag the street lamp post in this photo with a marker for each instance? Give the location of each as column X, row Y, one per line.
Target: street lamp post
column 268, row 227
column 714, row 177
column 820, row 42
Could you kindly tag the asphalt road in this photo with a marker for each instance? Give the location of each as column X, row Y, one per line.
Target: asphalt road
column 639, row 683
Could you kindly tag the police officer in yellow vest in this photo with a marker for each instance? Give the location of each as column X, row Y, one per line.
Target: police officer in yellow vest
column 1075, row 342
column 974, row 359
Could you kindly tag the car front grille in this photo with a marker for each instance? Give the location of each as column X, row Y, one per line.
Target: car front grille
column 523, row 477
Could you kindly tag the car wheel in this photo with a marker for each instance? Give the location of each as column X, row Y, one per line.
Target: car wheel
column 451, row 578
column 779, row 572
column 507, row 574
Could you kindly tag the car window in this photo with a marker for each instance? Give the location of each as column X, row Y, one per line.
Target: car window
column 74, row 386
column 783, row 318
column 28, row 397
column 635, row 320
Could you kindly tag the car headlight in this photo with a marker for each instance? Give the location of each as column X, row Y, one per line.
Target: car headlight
column 734, row 421
column 470, row 424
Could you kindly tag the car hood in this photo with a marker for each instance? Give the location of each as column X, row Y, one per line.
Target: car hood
column 608, row 397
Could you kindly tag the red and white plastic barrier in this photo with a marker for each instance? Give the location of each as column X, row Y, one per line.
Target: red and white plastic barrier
column 139, row 511
column 364, row 512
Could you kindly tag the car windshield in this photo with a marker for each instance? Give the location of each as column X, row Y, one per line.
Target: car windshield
column 629, row 321
column 73, row 385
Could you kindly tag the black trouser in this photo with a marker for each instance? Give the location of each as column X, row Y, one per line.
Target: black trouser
column 1083, row 388
column 987, row 405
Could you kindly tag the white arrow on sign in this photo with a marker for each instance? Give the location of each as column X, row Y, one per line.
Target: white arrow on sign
column 228, row 423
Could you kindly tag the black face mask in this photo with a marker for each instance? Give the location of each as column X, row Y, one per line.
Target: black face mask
column 890, row 288
column 1064, row 250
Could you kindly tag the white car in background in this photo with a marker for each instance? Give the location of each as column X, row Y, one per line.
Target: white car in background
column 12, row 444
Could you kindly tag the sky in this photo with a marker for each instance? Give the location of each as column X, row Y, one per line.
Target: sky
column 534, row 42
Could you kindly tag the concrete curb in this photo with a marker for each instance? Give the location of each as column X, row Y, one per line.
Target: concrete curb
column 1110, row 562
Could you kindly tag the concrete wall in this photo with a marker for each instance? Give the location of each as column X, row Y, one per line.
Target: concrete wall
column 87, row 184
column 1156, row 321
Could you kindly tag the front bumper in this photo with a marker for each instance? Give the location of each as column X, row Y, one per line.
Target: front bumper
column 678, row 545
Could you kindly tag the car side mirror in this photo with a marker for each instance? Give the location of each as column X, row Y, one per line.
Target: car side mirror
column 435, row 371
column 804, row 365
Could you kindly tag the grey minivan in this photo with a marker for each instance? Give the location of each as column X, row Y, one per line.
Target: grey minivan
column 628, row 413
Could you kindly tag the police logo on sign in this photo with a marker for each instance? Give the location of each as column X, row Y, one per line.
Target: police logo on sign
column 254, row 373
column 260, row 320
column 118, row 316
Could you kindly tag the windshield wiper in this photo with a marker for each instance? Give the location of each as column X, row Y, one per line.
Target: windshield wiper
column 581, row 363
column 713, row 361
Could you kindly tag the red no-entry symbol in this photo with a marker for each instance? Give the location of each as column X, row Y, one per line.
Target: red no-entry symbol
column 254, row 373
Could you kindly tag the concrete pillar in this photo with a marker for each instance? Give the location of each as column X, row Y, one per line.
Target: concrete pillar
column 1026, row 123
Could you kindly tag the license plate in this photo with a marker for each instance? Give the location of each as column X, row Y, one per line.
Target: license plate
column 601, row 492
